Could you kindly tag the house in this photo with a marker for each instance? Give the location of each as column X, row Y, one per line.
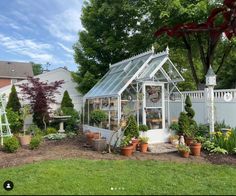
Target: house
column 51, row 76
column 140, row 86
column 12, row 72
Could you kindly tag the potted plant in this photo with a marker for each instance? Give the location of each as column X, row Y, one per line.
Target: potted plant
column 25, row 138
column 98, row 116
column 143, row 144
column 195, row 147
column 142, row 128
column 126, row 146
column 184, row 150
column 174, row 139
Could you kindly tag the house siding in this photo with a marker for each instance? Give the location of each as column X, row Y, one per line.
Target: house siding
column 4, row 82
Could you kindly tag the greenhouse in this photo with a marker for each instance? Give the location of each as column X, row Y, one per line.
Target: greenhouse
column 140, row 86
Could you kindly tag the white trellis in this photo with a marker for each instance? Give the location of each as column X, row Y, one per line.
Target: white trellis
column 4, row 124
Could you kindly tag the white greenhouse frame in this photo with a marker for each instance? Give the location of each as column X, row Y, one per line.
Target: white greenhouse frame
column 149, row 74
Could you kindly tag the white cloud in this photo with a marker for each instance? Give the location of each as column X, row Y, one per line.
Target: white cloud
column 35, row 50
column 66, row 48
column 65, row 25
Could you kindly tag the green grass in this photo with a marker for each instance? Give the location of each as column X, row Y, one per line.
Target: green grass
column 124, row 176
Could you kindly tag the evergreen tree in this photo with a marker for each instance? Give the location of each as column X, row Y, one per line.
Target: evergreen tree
column 188, row 107
column 132, row 128
column 13, row 101
column 66, row 101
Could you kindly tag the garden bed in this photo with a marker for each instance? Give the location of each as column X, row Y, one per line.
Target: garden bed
column 74, row 148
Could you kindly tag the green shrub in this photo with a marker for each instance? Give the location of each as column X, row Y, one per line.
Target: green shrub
column 71, row 134
column 35, row 142
column 143, row 128
column 50, row 130
column 132, row 128
column 15, row 120
column 34, row 130
column 126, row 141
column 98, row 116
column 11, row 144
column 72, row 123
column 203, row 130
column 175, row 127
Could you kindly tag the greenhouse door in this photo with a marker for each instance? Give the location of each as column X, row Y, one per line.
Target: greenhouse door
column 154, row 106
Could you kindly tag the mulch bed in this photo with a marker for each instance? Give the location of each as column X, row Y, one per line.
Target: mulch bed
column 70, row 148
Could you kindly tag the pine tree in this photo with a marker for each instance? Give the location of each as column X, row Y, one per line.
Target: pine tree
column 66, row 101
column 13, row 101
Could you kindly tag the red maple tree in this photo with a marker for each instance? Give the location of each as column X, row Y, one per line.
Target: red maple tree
column 41, row 95
column 214, row 30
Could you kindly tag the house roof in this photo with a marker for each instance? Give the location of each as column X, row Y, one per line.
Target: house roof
column 142, row 67
column 10, row 69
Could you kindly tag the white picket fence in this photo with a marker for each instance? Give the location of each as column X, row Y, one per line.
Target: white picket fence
column 225, row 107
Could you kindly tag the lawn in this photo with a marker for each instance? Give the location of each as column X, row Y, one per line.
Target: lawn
column 119, row 177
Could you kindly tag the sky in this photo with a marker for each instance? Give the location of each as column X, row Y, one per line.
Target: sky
column 40, row 31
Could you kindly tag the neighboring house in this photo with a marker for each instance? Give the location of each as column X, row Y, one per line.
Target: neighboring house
column 12, row 72
column 51, row 76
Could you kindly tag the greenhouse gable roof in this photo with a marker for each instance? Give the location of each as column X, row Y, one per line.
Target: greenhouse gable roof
column 142, row 67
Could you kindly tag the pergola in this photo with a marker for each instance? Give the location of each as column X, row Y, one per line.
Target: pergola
column 140, row 86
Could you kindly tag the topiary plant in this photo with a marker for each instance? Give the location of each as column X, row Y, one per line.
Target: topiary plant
column 184, row 123
column 132, row 128
column 188, row 107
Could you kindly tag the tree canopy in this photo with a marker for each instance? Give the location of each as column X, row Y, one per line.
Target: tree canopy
column 114, row 31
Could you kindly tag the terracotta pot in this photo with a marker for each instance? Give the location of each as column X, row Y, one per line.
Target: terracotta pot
column 188, row 141
column 24, row 140
column 184, row 154
column 96, row 135
column 196, row 149
column 90, row 137
column 143, row 147
column 135, row 143
column 127, row 151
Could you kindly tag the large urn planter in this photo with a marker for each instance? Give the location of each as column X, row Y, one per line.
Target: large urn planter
column 127, row 150
column 24, row 139
column 195, row 149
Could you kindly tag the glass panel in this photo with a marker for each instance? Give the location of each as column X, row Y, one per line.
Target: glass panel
column 117, row 77
column 114, row 114
column 91, row 108
column 171, row 71
column 86, row 112
column 152, row 65
column 153, row 96
column 154, row 118
column 160, row 77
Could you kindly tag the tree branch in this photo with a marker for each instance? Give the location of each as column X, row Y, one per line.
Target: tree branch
column 226, row 53
column 190, row 59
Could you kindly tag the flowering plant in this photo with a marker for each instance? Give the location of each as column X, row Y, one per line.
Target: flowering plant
column 126, row 141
